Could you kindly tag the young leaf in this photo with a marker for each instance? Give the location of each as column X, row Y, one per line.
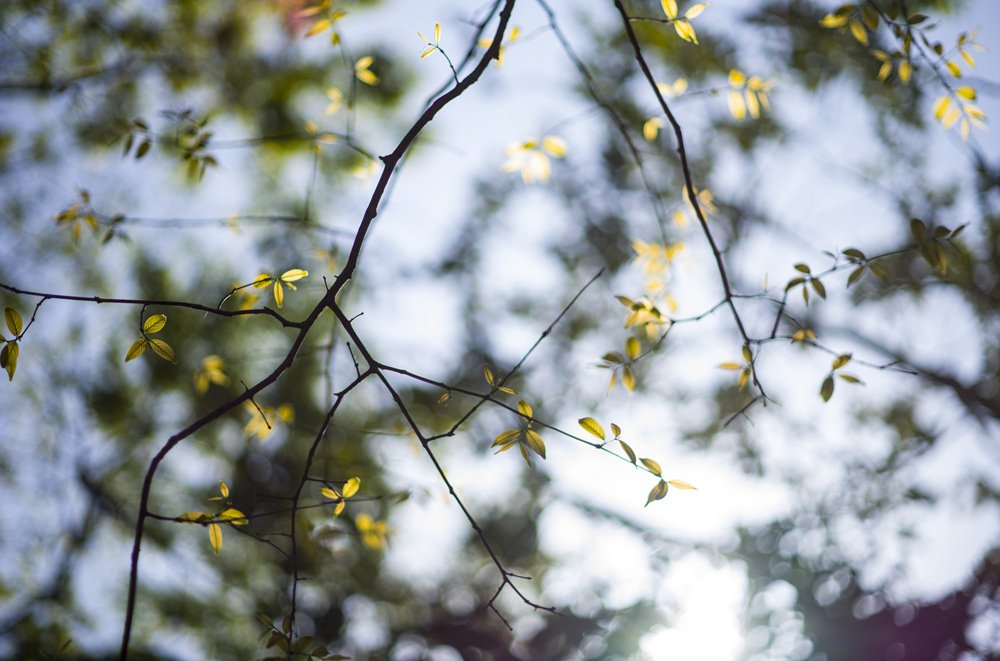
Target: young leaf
column 525, row 408
column 826, row 390
column 8, row 358
column 653, row 467
column 628, row 450
column 628, row 379
column 616, row 430
column 592, row 426
column 508, row 437
column 224, row 489
column 632, row 348
column 330, row 493
column 279, row 293
column 215, row 537
column 681, row 484
column 155, row 323
column 291, row 275
column 162, row 349
column 233, row 516
column 13, row 318
column 137, row 349
column 488, row 373
column 841, row 360
column 657, row 492
column 535, row 442
column 351, row 486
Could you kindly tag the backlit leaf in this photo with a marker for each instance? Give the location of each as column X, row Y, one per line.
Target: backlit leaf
column 616, row 430
column 13, row 318
column 317, row 27
column 488, row 374
column 592, row 426
column 681, row 484
column 628, row 450
column 632, row 348
column 525, row 408
column 657, row 492
column 330, row 493
column 669, row 8
column 351, row 486
column 653, row 467
column 162, row 349
column 8, row 358
column 694, row 11
column 841, row 360
column 215, row 537
column 291, row 275
column 233, row 516
column 858, row 31
column 137, row 349
column 628, row 379
column 826, row 390
column 155, row 323
column 535, row 442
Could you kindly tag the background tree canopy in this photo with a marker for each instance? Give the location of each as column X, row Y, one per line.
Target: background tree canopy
column 367, row 329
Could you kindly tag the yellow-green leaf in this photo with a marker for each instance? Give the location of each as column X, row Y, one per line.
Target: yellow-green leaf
column 628, row 450
column 162, row 349
column 730, row 366
column 507, row 437
column 224, row 489
column 652, row 465
column 155, row 323
column 858, row 31
column 657, row 492
column 291, row 275
column 137, row 349
column 535, row 442
column 841, row 360
column 13, row 318
column 685, row 31
column 233, row 516
column 651, row 128
column 682, row 485
column 628, row 379
column 694, row 11
column 488, row 373
column 592, row 426
column 330, row 493
column 279, row 293
column 525, row 408
column 616, row 430
column 833, row 21
column 826, row 390
column 632, row 348
column 669, row 8
column 940, row 106
column 8, row 358
column 351, row 486
column 317, row 27
column 967, row 93
column 215, row 537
